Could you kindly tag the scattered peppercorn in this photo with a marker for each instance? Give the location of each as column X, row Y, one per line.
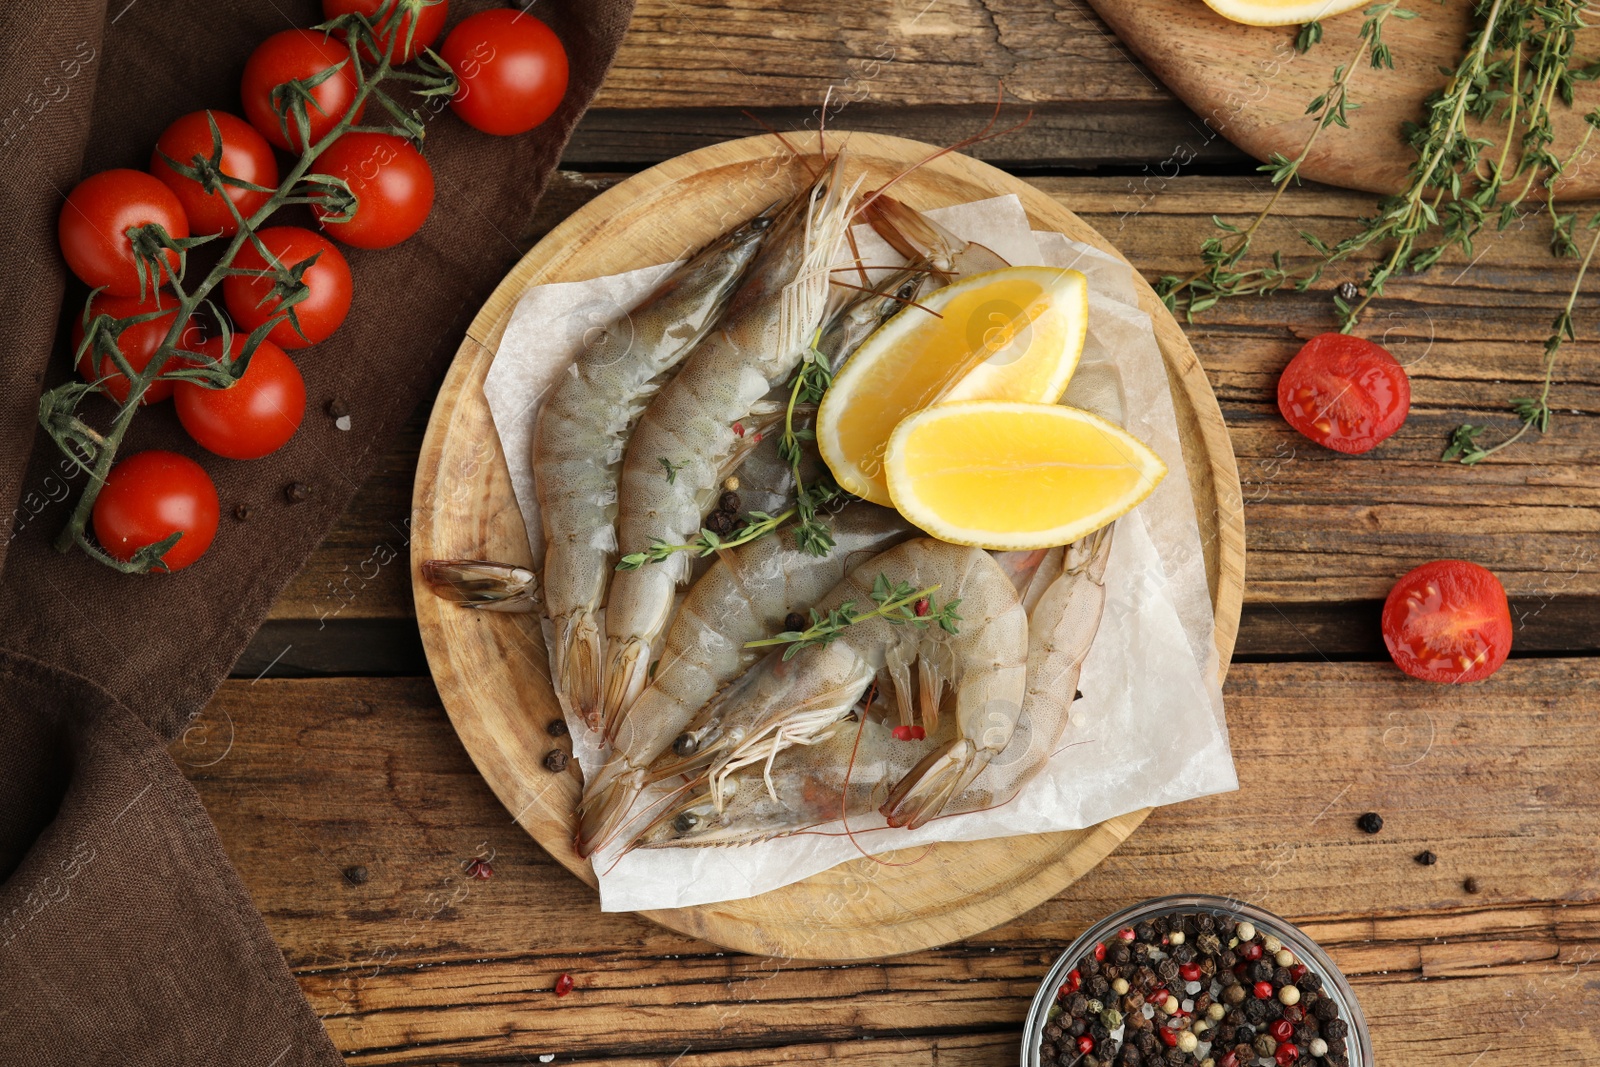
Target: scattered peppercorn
column 1470, row 885
column 557, row 728
column 794, row 622
column 297, row 492
column 721, row 523
column 1349, row 292
column 1426, row 858
column 563, row 985
column 729, row 502
column 241, row 512
column 478, row 867
column 1370, row 823
column 336, row 408
column 356, row 874
column 556, row 760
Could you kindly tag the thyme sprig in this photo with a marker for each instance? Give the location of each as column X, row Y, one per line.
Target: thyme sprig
column 811, row 379
column 898, row 604
column 756, row 524
column 94, row 451
column 1533, row 411
column 1220, row 277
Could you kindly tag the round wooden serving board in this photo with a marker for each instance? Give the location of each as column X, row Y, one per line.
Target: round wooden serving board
column 492, row 671
column 1251, row 87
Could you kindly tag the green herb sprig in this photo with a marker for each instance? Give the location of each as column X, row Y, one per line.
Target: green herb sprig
column 811, row 379
column 898, row 604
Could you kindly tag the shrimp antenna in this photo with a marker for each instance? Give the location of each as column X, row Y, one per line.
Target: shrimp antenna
column 906, row 300
column 774, row 131
column 988, row 133
column 844, row 794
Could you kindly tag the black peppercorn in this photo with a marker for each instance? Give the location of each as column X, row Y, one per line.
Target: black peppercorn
column 1077, row 1005
column 241, row 512
column 1470, row 885
column 1205, row 923
column 1261, row 971
column 720, row 523
column 1326, row 1011
column 1335, row 1030
column 1131, row 1056
column 1167, row 969
column 1145, row 932
column 1098, row 1032
column 336, row 408
column 729, row 502
column 1097, row 986
column 297, row 492
column 1281, row 977
column 1244, row 1034
column 1310, row 982
column 1304, row 1035
column 1349, row 292
column 556, row 760
column 1370, row 823
column 1208, row 943
column 1255, row 1011
column 1120, row 954
column 1183, row 953
column 1052, row 1033
column 1227, row 958
column 794, row 622
column 557, row 728
column 1426, row 858
column 1088, row 966
column 356, row 875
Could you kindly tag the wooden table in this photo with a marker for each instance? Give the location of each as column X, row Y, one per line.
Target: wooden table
column 351, row 810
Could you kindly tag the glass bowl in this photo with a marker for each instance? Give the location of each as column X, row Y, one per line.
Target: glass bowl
column 1359, row 1046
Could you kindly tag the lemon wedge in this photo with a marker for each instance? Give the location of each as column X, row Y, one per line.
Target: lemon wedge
column 1011, row 334
column 1003, row 475
column 1281, row 12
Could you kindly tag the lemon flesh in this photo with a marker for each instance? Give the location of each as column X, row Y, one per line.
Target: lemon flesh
column 1281, row 12
column 1003, row 475
column 1011, row 334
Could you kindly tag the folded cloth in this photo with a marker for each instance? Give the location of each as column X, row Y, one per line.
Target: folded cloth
column 125, row 936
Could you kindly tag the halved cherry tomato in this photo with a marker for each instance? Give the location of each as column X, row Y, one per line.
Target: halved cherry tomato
column 328, row 279
column 148, row 497
column 245, row 155
column 428, row 17
column 137, row 343
column 392, row 183
column 1448, row 621
column 512, row 70
column 1344, row 392
column 253, row 417
column 298, row 55
column 94, row 224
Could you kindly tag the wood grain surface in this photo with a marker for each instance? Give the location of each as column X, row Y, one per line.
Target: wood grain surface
column 417, row 964
column 420, row 964
column 490, row 668
column 1250, row 85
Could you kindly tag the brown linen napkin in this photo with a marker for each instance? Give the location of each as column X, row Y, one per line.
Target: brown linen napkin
column 125, row 936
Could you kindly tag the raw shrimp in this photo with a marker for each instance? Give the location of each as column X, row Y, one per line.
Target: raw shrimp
column 848, row 775
column 579, row 439
column 744, row 596
column 800, row 699
column 677, row 453
column 918, row 237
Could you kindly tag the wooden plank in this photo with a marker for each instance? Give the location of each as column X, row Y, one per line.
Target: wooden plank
column 420, row 964
column 1077, row 134
column 1322, row 529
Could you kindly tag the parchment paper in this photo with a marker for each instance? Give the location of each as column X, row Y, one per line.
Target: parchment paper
column 1149, row 729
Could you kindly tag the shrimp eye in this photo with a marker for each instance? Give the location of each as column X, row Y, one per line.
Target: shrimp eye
column 686, row 745
column 686, row 822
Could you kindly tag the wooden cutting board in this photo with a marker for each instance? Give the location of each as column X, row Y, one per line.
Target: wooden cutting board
column 492, row 670
column 1249, row 85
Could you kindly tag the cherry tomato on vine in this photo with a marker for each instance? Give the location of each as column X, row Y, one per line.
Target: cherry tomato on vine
column 392, row 183
column 1345, row 393
column 137, row 342
column 253, row 417
column 94, row 224
column 298, row 55
column 149, row 496
column 245, row 155
column 429, row 19
column 512, row 70
column 328, row 280
column 1448, row 621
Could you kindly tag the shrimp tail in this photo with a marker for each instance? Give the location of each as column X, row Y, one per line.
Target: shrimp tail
column 928, row 787
column 604, row 804
column 579, row 662
column 626, row 676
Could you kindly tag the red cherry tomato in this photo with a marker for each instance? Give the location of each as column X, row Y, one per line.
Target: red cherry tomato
column 1345, row 393
column 393, row 185
column 1448, row 621
column 149, row 496
column 512, row 70
column 253, row 417
column 429, row 19
column 297, row 55
column 250, row 300
column 245, row 155
column 137, row 342
column 94, row 224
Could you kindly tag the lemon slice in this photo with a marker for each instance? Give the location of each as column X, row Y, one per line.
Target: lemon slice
column 1004, row 475
column 1281, row 12
column 1012, row 334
